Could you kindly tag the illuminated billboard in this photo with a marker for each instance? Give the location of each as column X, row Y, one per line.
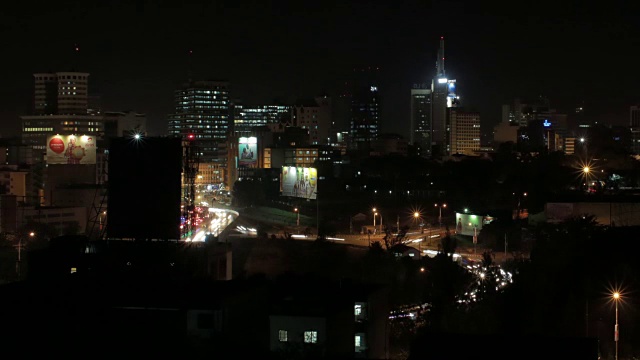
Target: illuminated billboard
column 248, row 151
column 466, row 223
column 299, row 182
column 71, row 149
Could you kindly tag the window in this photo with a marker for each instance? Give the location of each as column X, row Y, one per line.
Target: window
column 358, row 341
column 358, row 309
column 282, row 336
column 311, row 337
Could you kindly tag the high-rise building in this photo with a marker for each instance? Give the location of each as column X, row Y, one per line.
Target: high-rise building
column 61, row 93
column 443, row 96
column 420, row 132
column 249, row 117
column 203, row 110
column 365, row 111
column 464, row 131
column 315, row 116
column 634, row 125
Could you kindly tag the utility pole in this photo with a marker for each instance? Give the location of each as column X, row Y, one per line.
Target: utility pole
column 505, row 246
column 398, row 224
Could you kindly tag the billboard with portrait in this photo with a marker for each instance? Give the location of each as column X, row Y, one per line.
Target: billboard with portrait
column 465, row 223
column 248, row 150
column 299, row 182
column 71, row 149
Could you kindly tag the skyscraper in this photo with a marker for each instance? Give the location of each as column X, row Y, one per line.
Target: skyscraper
column 365, row 108
column 203, row 109
column 420, row 132
column 443, row 96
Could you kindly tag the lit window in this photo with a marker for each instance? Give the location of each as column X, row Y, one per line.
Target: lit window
column 358, row 309
column 282, row 336
column 358, row 340
column 311, row 337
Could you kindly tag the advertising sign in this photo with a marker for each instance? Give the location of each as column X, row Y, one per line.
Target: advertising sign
column 467, row 224
column 299, row 182
column 248, row 151
column 71, row 149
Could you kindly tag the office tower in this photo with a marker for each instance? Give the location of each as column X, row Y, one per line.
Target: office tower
column 61, row 93
column 443, row 96
column 464, row 131
column 249, row 117
column 420, row 132
column 634, row 124
column 315, row 116
column 203, row 110
column 364, row 107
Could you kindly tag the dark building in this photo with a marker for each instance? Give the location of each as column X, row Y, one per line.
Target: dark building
column 144, row 188
column 441, row 346
column 139, row 305
column 365, row 108
column 421, row 119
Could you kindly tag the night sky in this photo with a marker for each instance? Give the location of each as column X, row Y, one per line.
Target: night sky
column 137, row 52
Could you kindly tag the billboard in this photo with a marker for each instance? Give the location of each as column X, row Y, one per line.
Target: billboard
column 299, row 182
column 466, row 223
column 248, row 150
column 71, row 149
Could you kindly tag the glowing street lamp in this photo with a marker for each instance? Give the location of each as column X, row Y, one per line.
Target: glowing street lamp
column 298, row 217
column 616, row 299
column 440, row 217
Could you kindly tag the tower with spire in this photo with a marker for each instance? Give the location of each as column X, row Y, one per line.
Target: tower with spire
column 443, row 96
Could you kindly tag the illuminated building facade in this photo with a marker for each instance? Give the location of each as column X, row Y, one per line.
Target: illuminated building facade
column 203, row 109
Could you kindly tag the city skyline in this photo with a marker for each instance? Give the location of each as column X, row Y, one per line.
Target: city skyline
column 139, row 54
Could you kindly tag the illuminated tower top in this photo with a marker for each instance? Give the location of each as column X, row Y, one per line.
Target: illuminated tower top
column 440, row 62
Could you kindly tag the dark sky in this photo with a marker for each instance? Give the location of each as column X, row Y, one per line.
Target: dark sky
column 136, row 52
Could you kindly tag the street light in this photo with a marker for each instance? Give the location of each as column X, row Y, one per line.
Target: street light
column 298, row 218
column 374, row 218
column 19, row 264
column 416, row 215
column 440, row 217
column 616, row 298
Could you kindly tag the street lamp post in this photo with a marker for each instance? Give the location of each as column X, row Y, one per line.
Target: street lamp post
column 374, row 218
column 298, row 216
column 616, row 335
column 19, row 263
column 440, row 215
column 416, row 215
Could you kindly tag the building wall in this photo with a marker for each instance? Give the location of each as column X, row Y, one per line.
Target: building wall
column 59, row 218
column 203, row 108
column 465, row 132
column 420, row 121
column 295, row 327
